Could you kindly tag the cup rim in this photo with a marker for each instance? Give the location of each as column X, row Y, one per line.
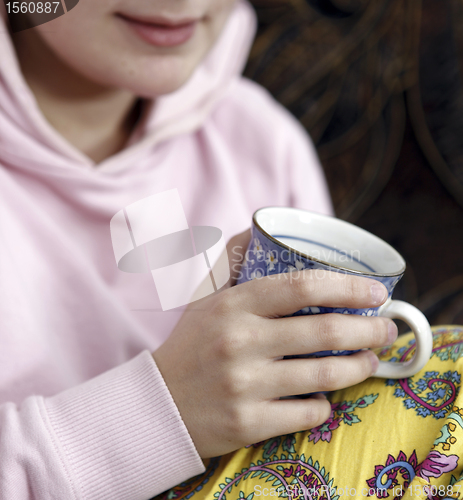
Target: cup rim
column 328, row 264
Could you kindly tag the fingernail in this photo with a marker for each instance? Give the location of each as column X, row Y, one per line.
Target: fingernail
column 374, row 361
column 392, row 332
column 378, row 293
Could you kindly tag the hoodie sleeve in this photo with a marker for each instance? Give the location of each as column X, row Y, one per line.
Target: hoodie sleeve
column 117, row 436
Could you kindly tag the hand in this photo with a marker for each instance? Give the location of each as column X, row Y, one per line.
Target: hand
column 223, row 367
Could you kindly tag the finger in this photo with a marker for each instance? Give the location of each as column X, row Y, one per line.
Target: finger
column 287, row 416
column 286, row 293
column 323, row 332
column 289, row 377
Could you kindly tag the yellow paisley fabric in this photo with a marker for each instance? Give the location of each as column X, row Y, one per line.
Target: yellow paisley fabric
column 384, row 439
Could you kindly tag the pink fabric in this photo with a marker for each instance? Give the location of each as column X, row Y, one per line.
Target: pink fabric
column 84, row 412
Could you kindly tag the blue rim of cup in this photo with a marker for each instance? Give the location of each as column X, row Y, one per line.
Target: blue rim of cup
column 333, row 266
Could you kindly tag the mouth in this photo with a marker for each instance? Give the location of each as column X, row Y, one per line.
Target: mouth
column 161, row 32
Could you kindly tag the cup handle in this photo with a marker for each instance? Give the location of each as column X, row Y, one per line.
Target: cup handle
column 418, row 323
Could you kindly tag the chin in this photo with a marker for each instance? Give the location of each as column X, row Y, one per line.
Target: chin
column 149, row 88
column 151, row 78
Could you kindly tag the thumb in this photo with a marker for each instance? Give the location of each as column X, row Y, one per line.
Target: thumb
column 236, row 249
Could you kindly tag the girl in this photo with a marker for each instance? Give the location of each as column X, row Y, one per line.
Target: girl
column 103, row 394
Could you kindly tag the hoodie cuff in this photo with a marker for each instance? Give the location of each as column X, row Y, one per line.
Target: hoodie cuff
column 121, row 434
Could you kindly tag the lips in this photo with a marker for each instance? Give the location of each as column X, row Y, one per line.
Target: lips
column 161, row 32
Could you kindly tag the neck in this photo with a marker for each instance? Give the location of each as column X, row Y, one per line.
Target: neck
column 95, row 119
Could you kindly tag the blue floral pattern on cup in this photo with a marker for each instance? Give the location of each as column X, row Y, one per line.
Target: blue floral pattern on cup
column 266, row 257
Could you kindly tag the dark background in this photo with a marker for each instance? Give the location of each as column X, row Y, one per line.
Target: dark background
column 378, row 85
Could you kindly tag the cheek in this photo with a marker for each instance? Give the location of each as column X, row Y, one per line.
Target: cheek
column 218, row 14
column 81, row 37
column 95, row 44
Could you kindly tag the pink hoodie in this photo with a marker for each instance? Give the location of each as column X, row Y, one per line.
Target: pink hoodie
column 84, row 412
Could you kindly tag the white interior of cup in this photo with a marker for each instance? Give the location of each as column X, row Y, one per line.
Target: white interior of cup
column 330, row 240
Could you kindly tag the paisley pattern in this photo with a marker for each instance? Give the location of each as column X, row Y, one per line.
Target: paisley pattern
column 434, row 392
column 341, row 413
column 386, row 476
column 382, row 440
column 447, row 438
column 287, row 475
column 431, row 395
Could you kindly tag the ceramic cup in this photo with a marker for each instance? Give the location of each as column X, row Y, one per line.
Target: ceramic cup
column 289, row 239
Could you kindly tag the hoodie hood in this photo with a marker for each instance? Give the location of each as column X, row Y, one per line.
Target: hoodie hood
column 27, row 140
